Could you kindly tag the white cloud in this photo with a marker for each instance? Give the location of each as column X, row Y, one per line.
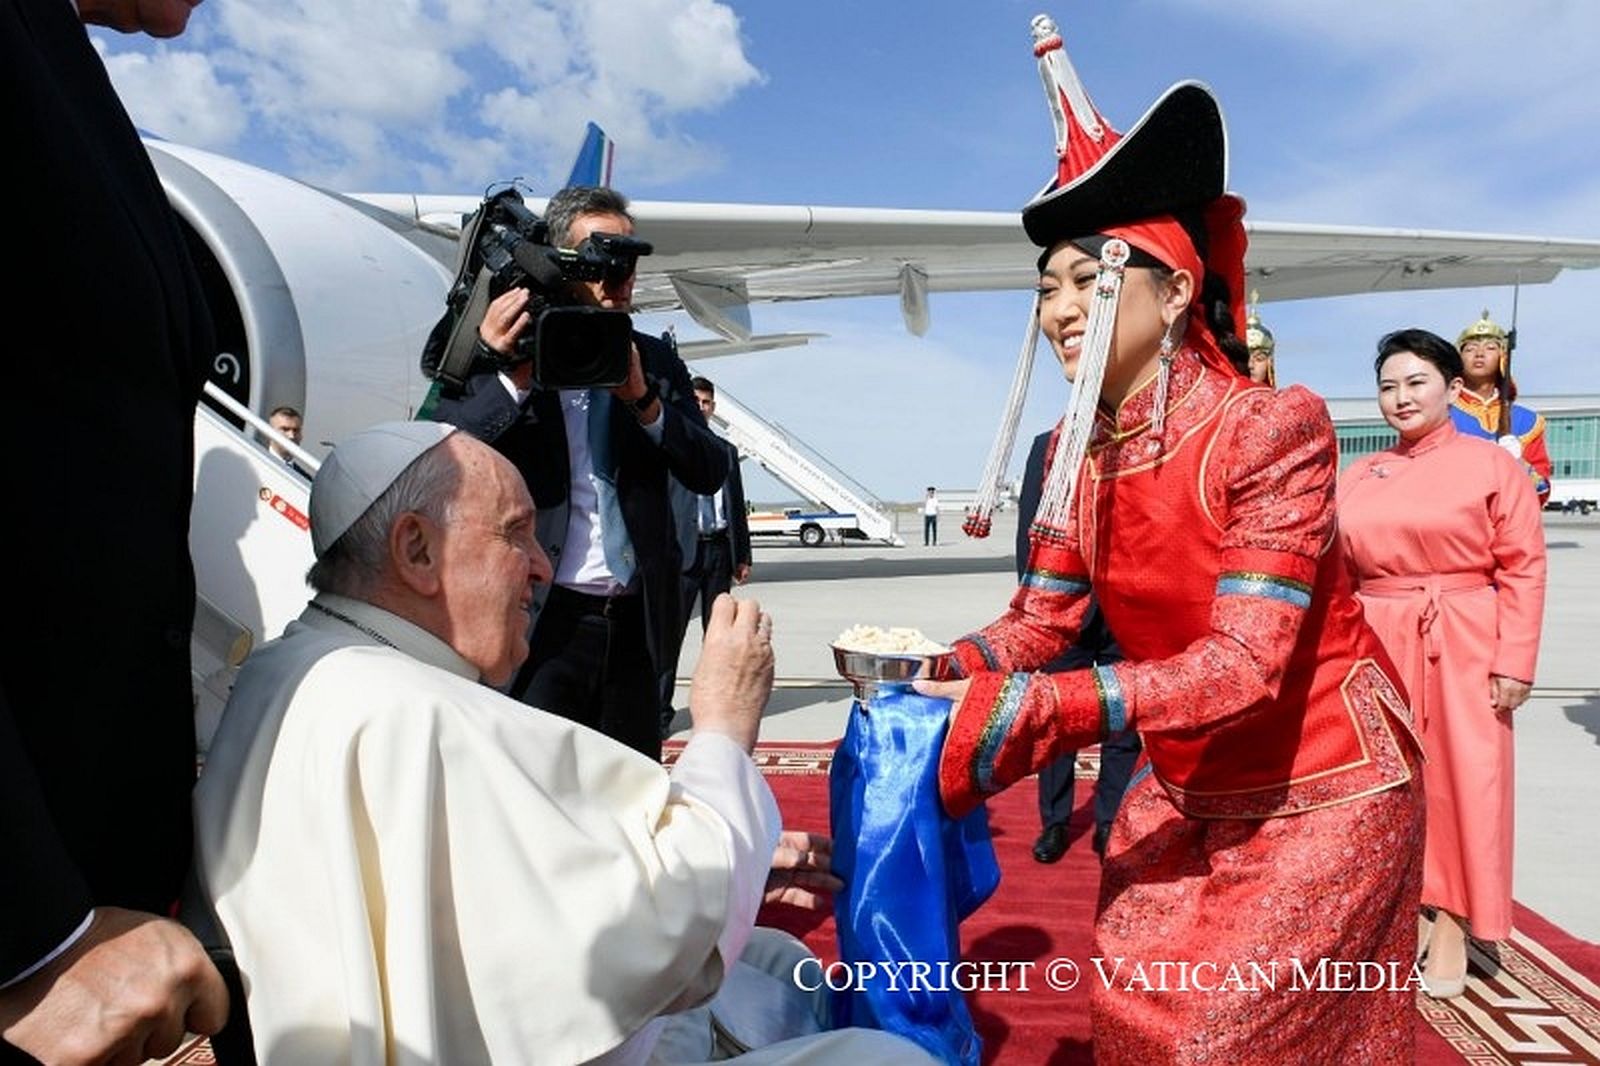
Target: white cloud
column 1448, row 114
column 181, row 97
column 1511, row 73
column 371, row 93
column 680, row 55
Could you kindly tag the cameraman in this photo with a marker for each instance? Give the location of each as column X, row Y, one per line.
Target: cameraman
column 596, row 462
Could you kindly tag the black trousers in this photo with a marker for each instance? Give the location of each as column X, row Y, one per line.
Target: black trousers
column 709, row 577
column 930, row 530
column 591, row 663
column 1056, row 781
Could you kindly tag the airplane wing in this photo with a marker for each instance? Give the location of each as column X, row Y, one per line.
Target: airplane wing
column 323, row 299
column 714, row 260
column 762, row 342
column 1294, row 262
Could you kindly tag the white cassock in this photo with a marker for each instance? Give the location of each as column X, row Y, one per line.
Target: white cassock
column 413, row 867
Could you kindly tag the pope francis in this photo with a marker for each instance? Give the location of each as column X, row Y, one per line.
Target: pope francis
column 412, row 867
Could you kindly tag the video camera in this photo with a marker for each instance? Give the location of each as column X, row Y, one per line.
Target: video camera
column 571, row 345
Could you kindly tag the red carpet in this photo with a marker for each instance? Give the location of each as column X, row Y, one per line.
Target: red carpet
column 1534, row 1000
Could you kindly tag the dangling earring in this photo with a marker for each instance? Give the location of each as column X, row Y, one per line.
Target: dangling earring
column 1169, row 349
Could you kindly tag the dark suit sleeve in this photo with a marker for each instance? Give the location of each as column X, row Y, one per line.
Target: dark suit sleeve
column 132, row 369
column 697, row 457
column 1095, row 643
column 42, row 894
column 1028, row 498
column 483, row 408
column 737, row 519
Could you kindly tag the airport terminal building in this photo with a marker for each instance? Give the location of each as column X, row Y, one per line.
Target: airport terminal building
column 1572, row 433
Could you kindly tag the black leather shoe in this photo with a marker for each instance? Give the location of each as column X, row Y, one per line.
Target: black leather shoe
column 1102, row 833
column 1052, row 843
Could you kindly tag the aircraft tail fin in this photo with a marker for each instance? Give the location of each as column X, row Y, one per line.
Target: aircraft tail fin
column 593, row 165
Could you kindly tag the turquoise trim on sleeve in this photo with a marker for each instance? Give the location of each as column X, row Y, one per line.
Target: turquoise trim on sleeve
column 1113, row 705
column 1271, row 586
column 990, row 660
column 996, row 728
column 1050, row 581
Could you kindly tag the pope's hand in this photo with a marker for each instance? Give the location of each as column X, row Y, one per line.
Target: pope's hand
column 802, row 872
column 734, row 676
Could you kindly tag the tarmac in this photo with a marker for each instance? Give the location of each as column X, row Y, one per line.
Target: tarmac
column 960, row 584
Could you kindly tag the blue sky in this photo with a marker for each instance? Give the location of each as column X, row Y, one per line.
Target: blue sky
column 1448, row 114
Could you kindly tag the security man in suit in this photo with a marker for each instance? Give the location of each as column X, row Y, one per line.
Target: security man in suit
column 1096, row 645
column 596, row 462
column 714, row 537
column 721, row 553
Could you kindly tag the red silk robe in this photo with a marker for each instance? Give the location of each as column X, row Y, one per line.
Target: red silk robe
column 1276, row 818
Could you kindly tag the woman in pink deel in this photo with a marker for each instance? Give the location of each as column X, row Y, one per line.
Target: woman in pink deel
column 1443, row 536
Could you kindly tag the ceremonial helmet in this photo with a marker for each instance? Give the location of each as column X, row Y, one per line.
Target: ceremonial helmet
column 1258, row 340
column 1485, row 328
column 1257, row 337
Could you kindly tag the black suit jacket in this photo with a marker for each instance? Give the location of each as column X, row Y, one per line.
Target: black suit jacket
column 533, row 436
column 686, row 511
column 107, row 341
column 738, row 514
column 1095, row 644
column 733, row 507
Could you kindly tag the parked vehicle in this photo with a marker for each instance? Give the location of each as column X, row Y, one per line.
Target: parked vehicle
column 812, row 527
column 1569, row 495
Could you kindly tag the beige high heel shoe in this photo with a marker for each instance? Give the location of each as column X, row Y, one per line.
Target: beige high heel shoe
column 1424, row 933
column 1445, row 975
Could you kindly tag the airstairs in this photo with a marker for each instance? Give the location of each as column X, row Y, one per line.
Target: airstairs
column 250, row 538
column 803, row 469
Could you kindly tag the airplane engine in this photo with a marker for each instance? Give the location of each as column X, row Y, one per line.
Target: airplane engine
column 321, row 302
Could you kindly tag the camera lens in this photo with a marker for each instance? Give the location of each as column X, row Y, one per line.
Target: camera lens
column 619, row 268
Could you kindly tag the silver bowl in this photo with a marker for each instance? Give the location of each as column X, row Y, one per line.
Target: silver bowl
column 866, row 670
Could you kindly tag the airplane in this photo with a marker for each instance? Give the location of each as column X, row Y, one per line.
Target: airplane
column 322, row 301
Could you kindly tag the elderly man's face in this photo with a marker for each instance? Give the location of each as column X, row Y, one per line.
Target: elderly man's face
column 158, row 18
column 490, row 564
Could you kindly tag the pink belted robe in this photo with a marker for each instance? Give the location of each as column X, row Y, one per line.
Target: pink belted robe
column 1444, row 538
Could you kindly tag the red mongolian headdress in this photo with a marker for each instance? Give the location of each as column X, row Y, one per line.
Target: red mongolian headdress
column 1160, row 188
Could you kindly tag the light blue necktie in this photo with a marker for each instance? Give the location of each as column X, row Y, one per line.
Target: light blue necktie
column 613, row 530
column 708, row 515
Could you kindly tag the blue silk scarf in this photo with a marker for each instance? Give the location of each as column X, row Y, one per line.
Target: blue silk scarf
column 911, row 875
